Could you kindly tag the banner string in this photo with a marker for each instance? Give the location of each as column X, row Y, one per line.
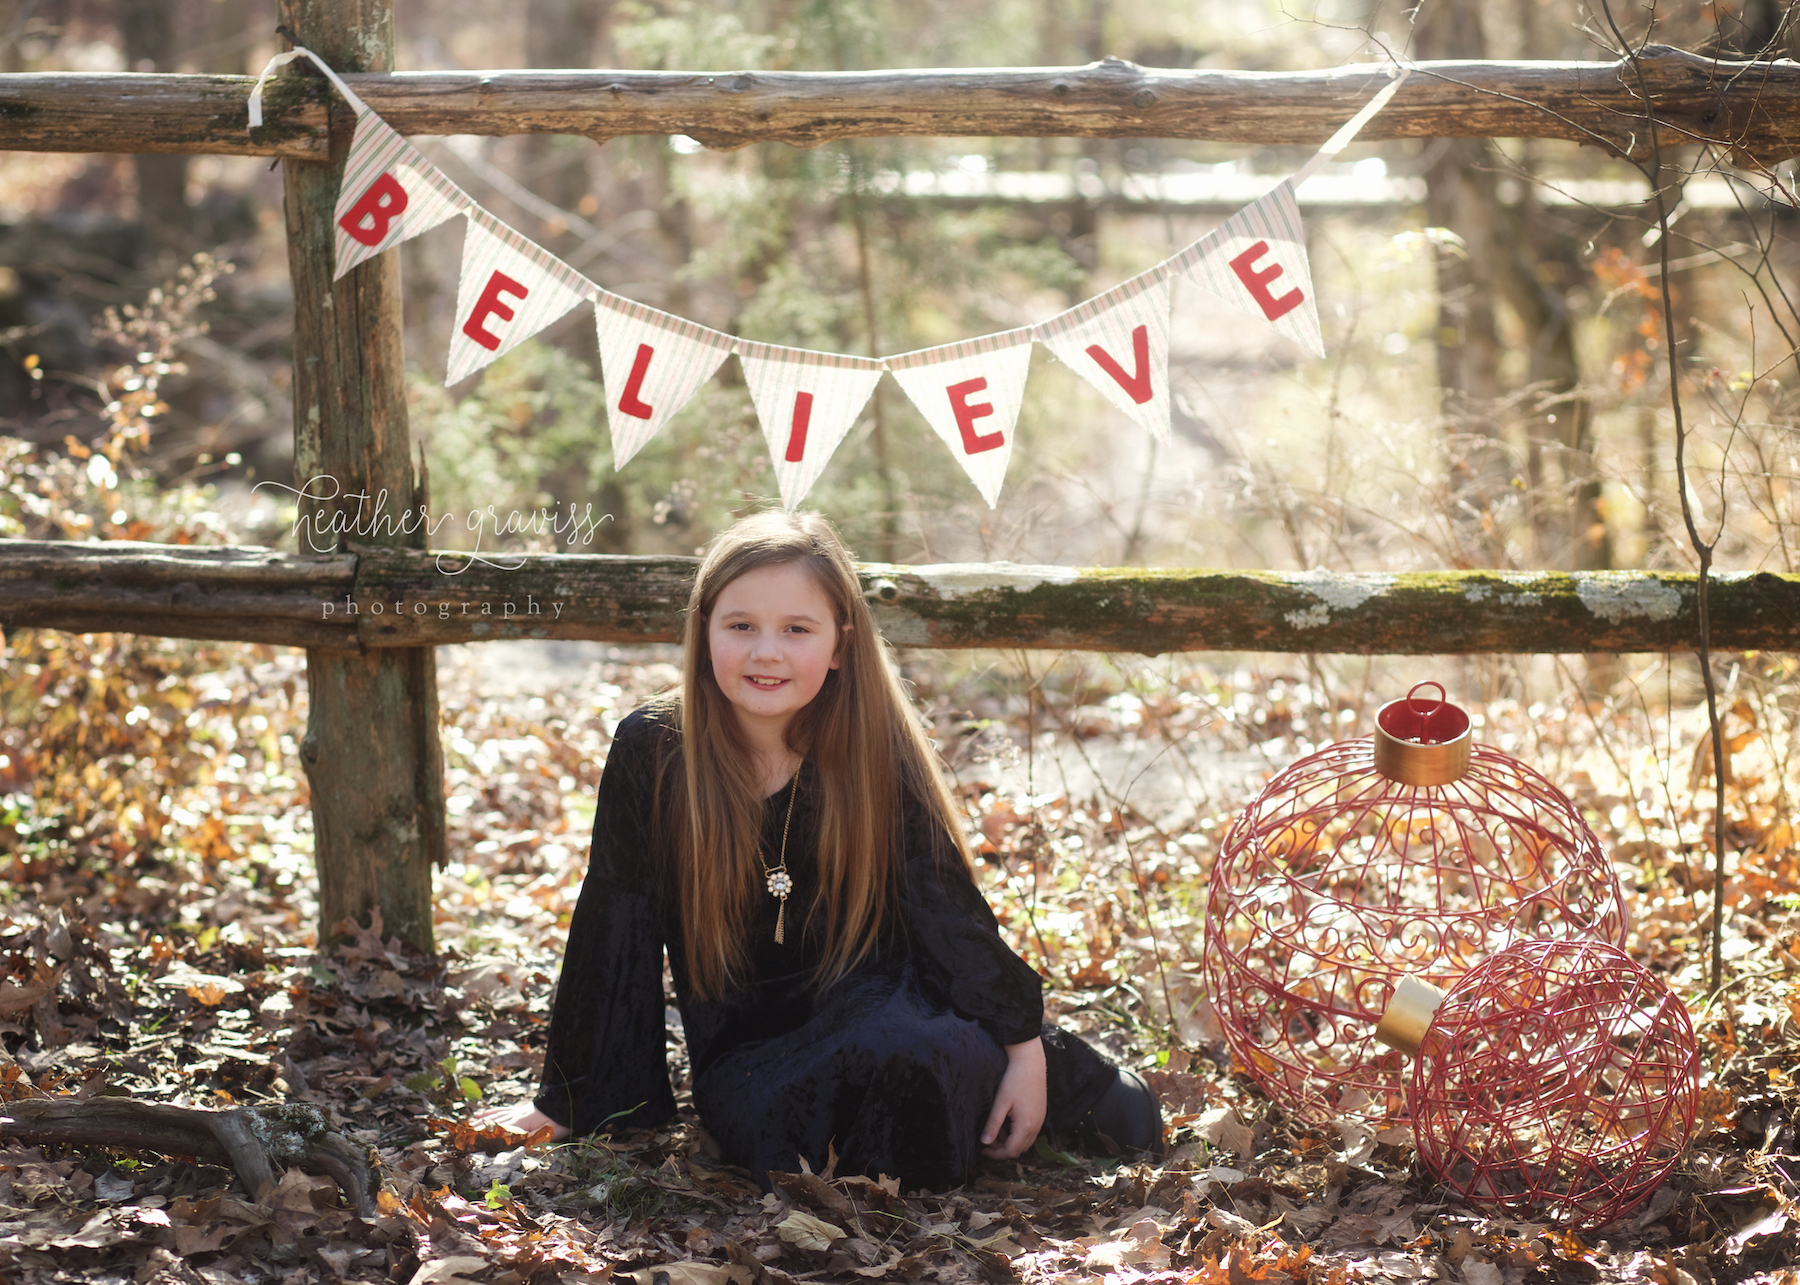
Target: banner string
column 1352, row 127
column 970, row 393
column 282, row 60
column 1335, row 144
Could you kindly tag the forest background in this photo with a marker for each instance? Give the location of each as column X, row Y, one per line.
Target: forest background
column 1496, row 393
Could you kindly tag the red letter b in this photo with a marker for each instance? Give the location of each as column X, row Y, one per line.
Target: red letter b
column 381, row 203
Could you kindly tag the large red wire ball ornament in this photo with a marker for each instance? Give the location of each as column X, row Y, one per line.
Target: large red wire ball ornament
column 1411, row 852
column 1557, row 1076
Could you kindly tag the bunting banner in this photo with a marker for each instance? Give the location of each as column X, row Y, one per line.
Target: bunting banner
column 511, row 288
column 390, row 194
column 651, row 363
column 807, row 401
column 1256, row 262
column 1119, row 342
column 970, row 394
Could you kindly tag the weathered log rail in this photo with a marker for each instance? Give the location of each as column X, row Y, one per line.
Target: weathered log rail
column 386, row 597
column 177, row 591
column 1751, row 107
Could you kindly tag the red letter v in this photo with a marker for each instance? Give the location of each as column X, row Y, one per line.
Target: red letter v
column 1137, row 384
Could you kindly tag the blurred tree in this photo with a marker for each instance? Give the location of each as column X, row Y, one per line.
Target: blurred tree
column 151, row 33
column 1517, row 256
column 562, row 33
column 1754, row 29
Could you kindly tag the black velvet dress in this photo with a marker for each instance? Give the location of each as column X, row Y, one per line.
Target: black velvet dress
column 895, row 1065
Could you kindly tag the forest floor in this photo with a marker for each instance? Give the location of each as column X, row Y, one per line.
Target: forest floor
column 1097, row 792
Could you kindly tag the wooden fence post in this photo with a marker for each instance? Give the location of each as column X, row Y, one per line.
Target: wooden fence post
column 371, row 748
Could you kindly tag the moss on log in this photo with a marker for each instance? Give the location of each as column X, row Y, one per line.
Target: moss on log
column 381, row 597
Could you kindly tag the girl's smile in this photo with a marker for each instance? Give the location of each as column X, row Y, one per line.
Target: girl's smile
column 773, row 638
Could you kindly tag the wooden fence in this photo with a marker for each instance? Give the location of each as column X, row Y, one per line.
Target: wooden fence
column 370, row 614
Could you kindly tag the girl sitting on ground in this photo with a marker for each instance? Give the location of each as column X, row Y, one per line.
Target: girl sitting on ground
column 782, row 830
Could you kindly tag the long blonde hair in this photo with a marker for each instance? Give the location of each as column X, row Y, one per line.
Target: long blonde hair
column 860, row 732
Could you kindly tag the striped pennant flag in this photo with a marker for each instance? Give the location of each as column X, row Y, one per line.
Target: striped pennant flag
column 1119, row 342
column 651, row 362
column 511, row 288
column 970, row 394
column 1256, row 262
column 390, row 194
column 806, row 401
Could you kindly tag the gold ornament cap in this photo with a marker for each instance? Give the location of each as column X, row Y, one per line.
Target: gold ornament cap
column 1421, row 741
column 1408, row 1015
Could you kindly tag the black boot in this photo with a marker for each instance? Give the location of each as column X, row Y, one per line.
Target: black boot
column 1128, row 1116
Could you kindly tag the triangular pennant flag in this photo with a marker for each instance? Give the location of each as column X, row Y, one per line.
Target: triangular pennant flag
column 1119, row 343
column 651, row 362
column 970, row 394
column 1256, row 262
column 806, row 401
column 511, row 288
column 390, row 194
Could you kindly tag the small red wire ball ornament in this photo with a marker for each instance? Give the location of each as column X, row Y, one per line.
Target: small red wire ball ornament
column 1556, row 1077
column 1411, row 852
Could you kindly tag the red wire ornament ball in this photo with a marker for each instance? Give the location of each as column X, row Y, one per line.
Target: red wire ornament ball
column 1339, row 879
column 1558, row 1076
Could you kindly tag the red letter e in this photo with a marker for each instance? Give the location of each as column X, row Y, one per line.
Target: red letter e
column 966, row 415
column 1256, row 281
column 489, row 305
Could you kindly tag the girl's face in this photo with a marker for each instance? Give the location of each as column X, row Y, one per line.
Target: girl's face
column 773, row 638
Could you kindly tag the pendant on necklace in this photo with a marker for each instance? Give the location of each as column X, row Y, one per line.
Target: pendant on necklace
column 780, row 882
column 780, row 885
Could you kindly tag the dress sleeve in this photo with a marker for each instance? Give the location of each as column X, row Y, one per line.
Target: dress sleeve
column 607, row 1056
column 955, row 940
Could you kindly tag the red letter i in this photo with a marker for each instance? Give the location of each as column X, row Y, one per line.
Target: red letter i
column 796, row 448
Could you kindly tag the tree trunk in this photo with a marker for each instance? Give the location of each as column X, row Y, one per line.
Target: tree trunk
column 1460, row 198
column 1512, row 254
column 147, row 30
column 371, row 748
column 1561, row 419
column 559, row 33
column 1759, row 29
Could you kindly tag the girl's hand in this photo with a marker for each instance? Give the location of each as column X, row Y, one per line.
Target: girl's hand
column 522, row 1117
column 1018, row 1103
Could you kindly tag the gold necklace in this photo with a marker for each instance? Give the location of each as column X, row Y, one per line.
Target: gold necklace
column 780, row 882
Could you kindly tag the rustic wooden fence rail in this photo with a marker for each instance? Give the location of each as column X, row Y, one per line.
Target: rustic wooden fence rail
column 371, row 748
column 381, row 597
column 1746, row 106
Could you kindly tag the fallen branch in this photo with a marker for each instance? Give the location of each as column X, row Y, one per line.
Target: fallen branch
column 251, row 1140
